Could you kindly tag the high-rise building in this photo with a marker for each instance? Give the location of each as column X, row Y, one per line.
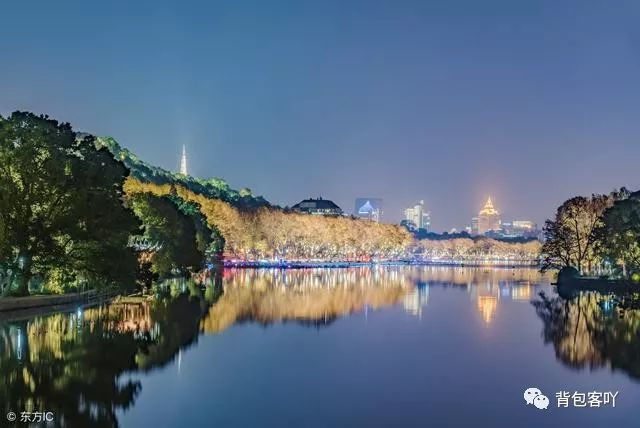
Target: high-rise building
column 183, row 161
column 369, row 209
column 488, row 218
column 418, row 216
column 473, row 229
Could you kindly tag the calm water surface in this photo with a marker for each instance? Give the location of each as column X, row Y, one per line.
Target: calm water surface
column 384, row 346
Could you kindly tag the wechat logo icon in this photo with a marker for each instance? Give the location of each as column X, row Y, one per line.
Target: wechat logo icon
column 536, row 397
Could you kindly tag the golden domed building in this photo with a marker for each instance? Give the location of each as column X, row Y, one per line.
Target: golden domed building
column 489, row 218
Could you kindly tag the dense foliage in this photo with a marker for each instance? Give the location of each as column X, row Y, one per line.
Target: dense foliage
column 596, row 235
column 478, row 250
column 268, row 233
column 215, row 188
column 619, row 235
column 61, row 210
column 170, row 232
column 272, row 233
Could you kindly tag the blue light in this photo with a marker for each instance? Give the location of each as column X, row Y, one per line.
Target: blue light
column 607, row 305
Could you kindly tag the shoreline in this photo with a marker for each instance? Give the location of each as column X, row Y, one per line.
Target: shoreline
column 274, row 264
column 571, row 283
column 27, row 306
column 570, row 287
column 12, row 308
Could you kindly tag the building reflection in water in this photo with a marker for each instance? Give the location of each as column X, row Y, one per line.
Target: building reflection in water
column 486, row 286
column 319, row 296
column 417, row 299
column 59, row 352
column 488, row 296
column 79, row 363
column 51, row 361
column 309, row 296
column 487, row 305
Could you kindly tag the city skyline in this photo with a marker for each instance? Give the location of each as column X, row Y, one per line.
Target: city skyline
column 448, row 102
column 375, row 211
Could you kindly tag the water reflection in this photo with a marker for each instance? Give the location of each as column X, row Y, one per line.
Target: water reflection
column 79, row 363
column 417, row 299
column 72, row 363
column 593, row 331
column 486, row 286
column 315, row 297
column 319, row 296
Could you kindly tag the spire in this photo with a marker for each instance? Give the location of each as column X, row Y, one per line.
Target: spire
column 488, row 208
column 489, row 204
column 183, row 161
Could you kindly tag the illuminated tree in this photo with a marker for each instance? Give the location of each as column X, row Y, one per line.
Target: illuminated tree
column 269, row 233
column 570, row 239
column 619, row 235
column 61, row 204
column 173, row 231
column 272, row 233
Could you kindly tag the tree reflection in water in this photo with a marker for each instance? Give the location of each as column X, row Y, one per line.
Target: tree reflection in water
column 592, row 330
column 311, row 297
column 318, row 296
column 72, row 363
column 78, row 364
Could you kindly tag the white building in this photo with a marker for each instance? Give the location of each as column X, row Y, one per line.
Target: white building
column 418, row 216
column 369, row 209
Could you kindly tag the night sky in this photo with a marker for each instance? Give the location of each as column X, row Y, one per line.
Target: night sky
column 449, row 101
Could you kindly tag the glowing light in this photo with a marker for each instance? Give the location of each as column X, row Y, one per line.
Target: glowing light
column 183, row 161
column 487, row 305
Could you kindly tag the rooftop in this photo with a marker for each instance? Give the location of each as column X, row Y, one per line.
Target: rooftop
column 316, row 204
column 489, row 209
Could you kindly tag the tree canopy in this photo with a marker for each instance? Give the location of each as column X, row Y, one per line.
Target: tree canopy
column 215, row 188
column 596, row 235
column 619, row 234
column 570, row 239
column 172, row 231
column 61, row 203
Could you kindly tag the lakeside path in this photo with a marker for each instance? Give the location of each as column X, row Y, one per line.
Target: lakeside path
column 18, row 307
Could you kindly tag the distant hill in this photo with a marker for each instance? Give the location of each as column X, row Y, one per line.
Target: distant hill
column 213, row 188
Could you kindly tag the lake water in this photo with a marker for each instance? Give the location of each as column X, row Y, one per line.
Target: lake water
column 384, row 346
